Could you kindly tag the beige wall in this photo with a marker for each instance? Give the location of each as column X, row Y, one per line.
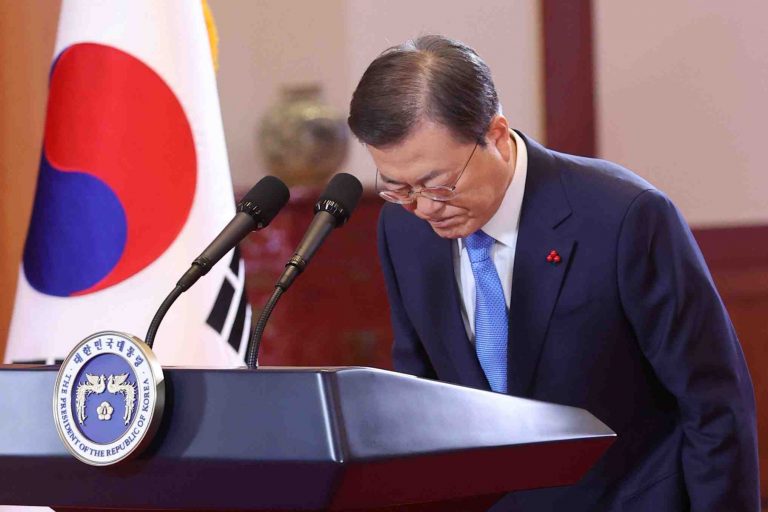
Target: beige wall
column 507, row 34
column 267, row 43
column 264, row 44
column 27, row 33
column 683, row 99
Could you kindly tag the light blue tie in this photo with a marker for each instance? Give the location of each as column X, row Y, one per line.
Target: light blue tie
column 491, row 324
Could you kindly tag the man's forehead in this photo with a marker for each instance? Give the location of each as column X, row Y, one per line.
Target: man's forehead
column 429, row 149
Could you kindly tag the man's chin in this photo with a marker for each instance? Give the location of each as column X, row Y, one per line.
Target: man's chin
column 451, row 232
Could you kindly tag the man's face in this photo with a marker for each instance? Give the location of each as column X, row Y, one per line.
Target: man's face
column 431, row 156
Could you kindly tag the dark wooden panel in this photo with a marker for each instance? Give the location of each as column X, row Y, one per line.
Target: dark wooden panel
column 738, row 260
column 336, row 313
column 569, row 76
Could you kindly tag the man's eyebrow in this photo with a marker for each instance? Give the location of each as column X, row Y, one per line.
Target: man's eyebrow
column 429, row 176
column 423, row 179
column 389, row 180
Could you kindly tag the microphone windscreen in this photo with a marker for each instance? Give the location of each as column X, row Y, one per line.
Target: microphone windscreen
column 265, row 199
column 345, row 189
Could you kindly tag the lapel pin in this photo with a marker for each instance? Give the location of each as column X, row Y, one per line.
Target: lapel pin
column 553, row 257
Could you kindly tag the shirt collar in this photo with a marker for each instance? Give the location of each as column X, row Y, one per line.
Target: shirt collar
column 503, row 226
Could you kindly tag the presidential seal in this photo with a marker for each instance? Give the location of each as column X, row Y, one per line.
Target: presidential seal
column 108, row 399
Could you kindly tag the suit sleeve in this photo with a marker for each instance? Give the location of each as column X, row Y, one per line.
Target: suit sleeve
column 408, row 354
column 686, row 334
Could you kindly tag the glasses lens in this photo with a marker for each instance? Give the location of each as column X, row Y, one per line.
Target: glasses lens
column 438, row 193
column 396, row 197
column 433, row 193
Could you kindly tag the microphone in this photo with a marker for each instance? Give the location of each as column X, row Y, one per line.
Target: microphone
column 332, row 210
column 255, row 211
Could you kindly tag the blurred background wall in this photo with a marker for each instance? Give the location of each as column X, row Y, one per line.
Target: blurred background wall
column 680, row 87
column 268, row 44
column 682, row 91
column 675, row 91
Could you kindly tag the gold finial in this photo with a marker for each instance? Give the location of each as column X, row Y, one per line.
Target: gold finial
column 213, row 34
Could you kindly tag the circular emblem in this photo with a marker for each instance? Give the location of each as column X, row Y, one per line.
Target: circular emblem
column 109, row 397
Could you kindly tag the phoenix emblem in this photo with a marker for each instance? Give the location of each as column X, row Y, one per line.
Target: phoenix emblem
column 96, row 384
column 117, row 385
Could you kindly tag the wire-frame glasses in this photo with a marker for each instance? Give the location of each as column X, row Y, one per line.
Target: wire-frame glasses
column 438, row 193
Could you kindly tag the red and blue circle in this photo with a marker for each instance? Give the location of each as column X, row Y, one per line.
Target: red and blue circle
column 117, row 175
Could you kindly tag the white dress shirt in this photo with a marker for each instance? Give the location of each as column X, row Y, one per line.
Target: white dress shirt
column 503, row 227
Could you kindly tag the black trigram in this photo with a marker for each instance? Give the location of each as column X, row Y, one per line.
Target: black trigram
column 232, row 291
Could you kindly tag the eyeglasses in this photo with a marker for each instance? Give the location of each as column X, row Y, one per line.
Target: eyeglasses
column 438, row 193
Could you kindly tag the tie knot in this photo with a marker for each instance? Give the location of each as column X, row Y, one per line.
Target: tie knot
column 479, row 246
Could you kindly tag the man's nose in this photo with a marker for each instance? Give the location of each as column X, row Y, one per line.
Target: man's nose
column 428, row 207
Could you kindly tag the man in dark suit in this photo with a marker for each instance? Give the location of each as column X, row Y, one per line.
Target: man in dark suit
column 517, row 269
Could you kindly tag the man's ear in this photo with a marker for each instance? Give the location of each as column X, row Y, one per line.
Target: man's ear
column 499, row 137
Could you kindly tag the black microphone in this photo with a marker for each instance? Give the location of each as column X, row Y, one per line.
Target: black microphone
column 255, row 211
column 332, row 210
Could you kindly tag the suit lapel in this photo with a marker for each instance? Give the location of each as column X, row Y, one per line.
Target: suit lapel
column 444, row 309
column 536, row 283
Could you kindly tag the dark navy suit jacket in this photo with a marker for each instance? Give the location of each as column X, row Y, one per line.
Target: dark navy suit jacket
column 628, row 326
